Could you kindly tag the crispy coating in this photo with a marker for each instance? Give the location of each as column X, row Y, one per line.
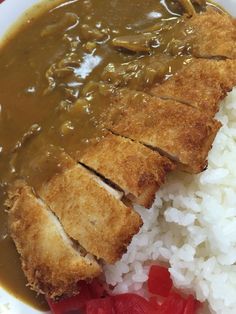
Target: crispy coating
column 51, row 262
column 210, row 34
column 181, row 132
column 136, row 169
column 90, row 213
column 201, row 83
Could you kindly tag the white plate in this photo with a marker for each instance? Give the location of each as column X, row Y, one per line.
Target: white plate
column 10, row 11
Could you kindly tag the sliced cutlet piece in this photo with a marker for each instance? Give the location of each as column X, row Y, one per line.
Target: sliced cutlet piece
column 182, row 133
column 52, row 263
column 91, row 212
column 202, row 84
column 210, row 34
column 136, row 169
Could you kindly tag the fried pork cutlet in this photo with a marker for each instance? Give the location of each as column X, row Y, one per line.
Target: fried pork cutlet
column 181, row 132
column 136, row 169
column 52, row 263
column 91, row 212
column 202, row 84
column 210, row 34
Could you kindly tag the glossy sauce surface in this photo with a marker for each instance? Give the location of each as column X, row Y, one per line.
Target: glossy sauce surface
column 57, row 74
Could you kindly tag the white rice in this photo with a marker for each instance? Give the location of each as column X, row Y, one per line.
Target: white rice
column 192, row 226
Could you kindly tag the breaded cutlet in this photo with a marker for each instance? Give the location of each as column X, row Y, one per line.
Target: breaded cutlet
column 182, row 133
column 136, row 169
column 201, row 83
column 210, row 34
column 52, row 263
column 91, row 212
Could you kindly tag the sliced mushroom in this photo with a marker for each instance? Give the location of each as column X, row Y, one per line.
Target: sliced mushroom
column 135, row 43
column 188, row 7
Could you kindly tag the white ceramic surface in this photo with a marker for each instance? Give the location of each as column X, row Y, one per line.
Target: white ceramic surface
column 10, row 11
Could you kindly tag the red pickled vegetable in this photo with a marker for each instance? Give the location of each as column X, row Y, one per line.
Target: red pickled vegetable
column 129, row 303
column 100, row 306
column 191, row 305
column 153, row 301
column 97, row 289
column 174, row 304
column 93, row 299
column 159, row 281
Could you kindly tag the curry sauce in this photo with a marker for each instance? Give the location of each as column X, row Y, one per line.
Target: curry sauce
column 57, row 74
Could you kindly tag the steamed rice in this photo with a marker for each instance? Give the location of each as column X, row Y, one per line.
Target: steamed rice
column 192, row 226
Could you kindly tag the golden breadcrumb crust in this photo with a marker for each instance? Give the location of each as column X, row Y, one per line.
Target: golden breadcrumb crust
column 179, row 131
column 136, row 169
column 50, row 262
column 210, row 34
column 201, row 83
column 90, row 214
